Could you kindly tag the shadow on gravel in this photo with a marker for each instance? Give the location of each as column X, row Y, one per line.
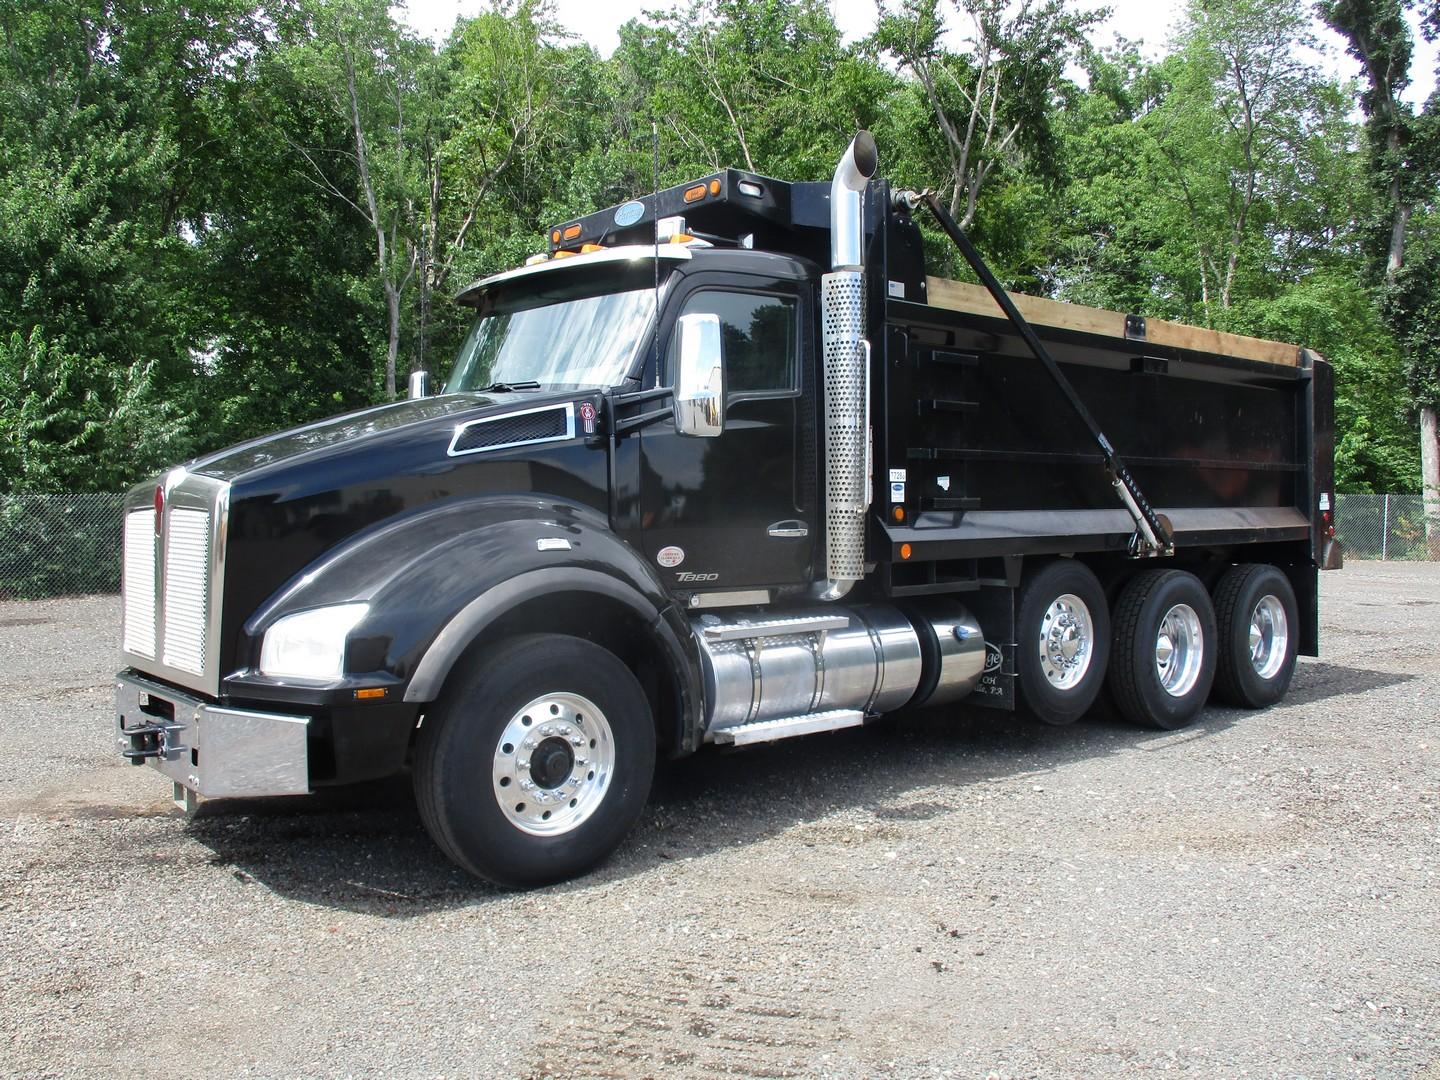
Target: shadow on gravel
column 1316, row 681
column 363, row 848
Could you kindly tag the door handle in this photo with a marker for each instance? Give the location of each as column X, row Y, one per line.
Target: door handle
column 788, row 530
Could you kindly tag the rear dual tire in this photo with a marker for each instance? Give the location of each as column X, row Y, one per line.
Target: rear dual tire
column 1164, row 649
column 1063, row 631
column 1258, row 617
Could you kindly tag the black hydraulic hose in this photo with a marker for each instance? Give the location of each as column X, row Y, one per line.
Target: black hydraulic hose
column 1122, row 479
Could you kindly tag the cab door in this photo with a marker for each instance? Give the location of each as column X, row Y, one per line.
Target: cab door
column 731, row 512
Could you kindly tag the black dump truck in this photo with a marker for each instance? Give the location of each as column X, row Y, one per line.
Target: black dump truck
column 724, row 466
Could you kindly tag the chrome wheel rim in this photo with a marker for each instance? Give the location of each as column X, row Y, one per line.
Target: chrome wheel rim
column 1067, row 641
column 1269, row 636
column 553, row 764
column 1179, row 649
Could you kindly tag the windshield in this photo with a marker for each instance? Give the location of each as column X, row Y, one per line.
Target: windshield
column 582, row 342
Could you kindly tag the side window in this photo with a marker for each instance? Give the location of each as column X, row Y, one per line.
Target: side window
column 759, row 334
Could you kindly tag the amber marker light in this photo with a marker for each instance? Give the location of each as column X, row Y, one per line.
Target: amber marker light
column 899, row 513
column 905, row 551
column 695, row 194
column 371, row 694
column 555, row 237
column 714, row 187
column 572, row 232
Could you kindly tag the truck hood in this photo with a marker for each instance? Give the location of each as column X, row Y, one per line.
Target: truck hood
column 352, row 429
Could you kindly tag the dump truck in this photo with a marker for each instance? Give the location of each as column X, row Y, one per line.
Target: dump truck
column 720, row 466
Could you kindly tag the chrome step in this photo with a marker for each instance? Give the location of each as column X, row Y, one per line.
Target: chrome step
column 787, row 727
column 767, row 628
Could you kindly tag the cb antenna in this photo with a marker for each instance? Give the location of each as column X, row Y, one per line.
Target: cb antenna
column 655, row 216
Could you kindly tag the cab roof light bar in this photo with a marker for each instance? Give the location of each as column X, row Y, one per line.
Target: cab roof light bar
column 723, row 208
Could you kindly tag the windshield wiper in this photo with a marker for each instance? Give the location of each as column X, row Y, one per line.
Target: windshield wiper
column 509, row 387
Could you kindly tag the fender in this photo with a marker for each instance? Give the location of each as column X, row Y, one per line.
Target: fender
column 438, row 577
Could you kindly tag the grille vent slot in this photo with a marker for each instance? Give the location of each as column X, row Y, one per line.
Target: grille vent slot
column 139, row 583
column 187, row 589
column 548, row 424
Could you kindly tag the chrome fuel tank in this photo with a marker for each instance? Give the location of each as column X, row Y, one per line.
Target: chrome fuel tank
column 763, row 665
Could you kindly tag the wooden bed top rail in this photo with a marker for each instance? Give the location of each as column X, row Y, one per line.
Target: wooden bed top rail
column 974, row 300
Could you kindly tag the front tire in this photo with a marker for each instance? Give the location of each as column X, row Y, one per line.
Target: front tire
column 1063, row 635
column 1259, row 621
column 1164, row 651
column 536, row 762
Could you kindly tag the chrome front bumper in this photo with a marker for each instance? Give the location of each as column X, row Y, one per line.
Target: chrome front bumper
column 207, row 749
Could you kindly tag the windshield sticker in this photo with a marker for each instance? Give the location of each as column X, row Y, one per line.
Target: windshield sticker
column 670, row 556
column 629, row 214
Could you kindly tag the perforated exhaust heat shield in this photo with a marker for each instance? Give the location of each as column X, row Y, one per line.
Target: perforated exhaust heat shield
column 847, row 427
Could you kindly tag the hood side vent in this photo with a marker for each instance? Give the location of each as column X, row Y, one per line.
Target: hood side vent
column 550, row 423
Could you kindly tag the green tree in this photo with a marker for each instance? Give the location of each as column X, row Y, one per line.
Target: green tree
column 353, row 57
column 993, row 103
column 1405, row 167
column 103, row 142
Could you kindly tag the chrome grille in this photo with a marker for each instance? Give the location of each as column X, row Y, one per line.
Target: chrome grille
column 187, row 562
column 138, row 583
column 171, row 585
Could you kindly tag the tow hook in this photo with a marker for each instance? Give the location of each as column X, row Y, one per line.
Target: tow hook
column 149, row 741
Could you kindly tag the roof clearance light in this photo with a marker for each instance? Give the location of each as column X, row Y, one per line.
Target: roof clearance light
column 749, row 187
column 585, row 249
column 695, row 194
column 536, row 260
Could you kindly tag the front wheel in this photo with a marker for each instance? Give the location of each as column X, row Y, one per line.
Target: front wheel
column 1163, row 660
column 534, row 765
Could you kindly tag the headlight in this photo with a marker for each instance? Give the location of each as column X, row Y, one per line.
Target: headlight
column 310, row 644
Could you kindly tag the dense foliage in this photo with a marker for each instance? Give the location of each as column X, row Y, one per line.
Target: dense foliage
column 219, row 217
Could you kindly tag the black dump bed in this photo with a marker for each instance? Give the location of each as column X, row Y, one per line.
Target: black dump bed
column 1229, row 437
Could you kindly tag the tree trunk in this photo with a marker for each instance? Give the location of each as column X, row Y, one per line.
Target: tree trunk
column 392, row 304
column 1400, row 208
column 1430, row 478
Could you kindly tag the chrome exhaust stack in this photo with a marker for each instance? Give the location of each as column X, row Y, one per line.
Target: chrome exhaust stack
column 846, row 361
column 847, row 222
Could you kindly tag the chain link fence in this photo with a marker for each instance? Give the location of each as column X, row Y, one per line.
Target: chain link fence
column 59, row 545
column 69, row 545
column 1381, row 526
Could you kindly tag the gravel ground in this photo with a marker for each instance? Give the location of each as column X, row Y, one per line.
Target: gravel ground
column 960, row 894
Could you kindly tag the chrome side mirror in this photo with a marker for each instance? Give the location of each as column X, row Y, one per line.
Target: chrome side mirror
column 699, row 377
column 419, row 384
